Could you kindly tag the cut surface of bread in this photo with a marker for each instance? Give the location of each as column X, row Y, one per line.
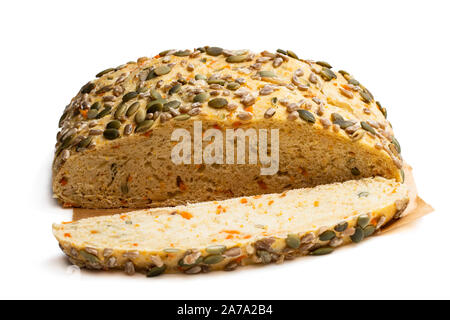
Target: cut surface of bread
column 221, row 235
column 114, row 147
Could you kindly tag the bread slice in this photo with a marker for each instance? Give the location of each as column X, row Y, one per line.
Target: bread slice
column 222, row 235
column 114, row 147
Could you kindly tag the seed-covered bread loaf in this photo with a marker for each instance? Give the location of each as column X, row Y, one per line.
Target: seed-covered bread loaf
column 221, row 235
column 114, row 147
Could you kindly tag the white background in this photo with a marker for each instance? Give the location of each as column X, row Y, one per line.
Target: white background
column 398, row 49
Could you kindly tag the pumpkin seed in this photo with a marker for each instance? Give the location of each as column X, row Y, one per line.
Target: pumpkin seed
column 151, row 75
column 156, row 271
column 216, row 81
column 182, row 53
column 324, row 64
column 89, row 257
column 293, row 241
column 200, row 77
column 155, row 95
column 140, row 116
column 132, row 109
column 233, row 86
column 306, row 115
column 104, row 112
column 175, row 89
column 355, row 171
column 291, row 54
column 115, row 124
column 201, row 97
column 129, row 96
column 383, row 110
column 182, row 117
column 216, row 249
column 343, row 72
column 92, row 113
column 396, row 145
column 267, row 74
column 358, row 236
column 264, row 255
column 111, row 134
column 162, row 70
column 175, row 104
column 84, row 143
column 214, row 51
column 213, row 259
column 327, row 74
column 402, row 174
column 327, row 235
column 87, row 88
column 368, row 127
column 363, row 194
column 341, row 227
column 322, row 251
column 120, row 111
column 96, row 105
column 236, row 59
column 218, row 103
column 171, row 250
column 368, row 231
column 154, row 107
column 282, row 51
column 274, row 100
column 365, row 96
column 363, row 220
column 353, row 81
column 102, row 73
column 144, row 126
column 163, row 53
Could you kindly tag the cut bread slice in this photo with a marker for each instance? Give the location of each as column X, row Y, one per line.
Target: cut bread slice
column 221, row 235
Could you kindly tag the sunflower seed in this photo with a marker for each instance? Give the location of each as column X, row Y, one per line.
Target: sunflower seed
column 269, row 113
column 233, row 252
column 129, row 268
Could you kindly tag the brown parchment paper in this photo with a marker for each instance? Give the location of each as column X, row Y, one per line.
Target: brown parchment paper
column 416, row 209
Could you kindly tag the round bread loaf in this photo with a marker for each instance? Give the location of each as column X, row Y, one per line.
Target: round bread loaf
column 114, row 147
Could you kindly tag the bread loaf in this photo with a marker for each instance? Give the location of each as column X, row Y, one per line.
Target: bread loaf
column 222, row 235
column 114, row 147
